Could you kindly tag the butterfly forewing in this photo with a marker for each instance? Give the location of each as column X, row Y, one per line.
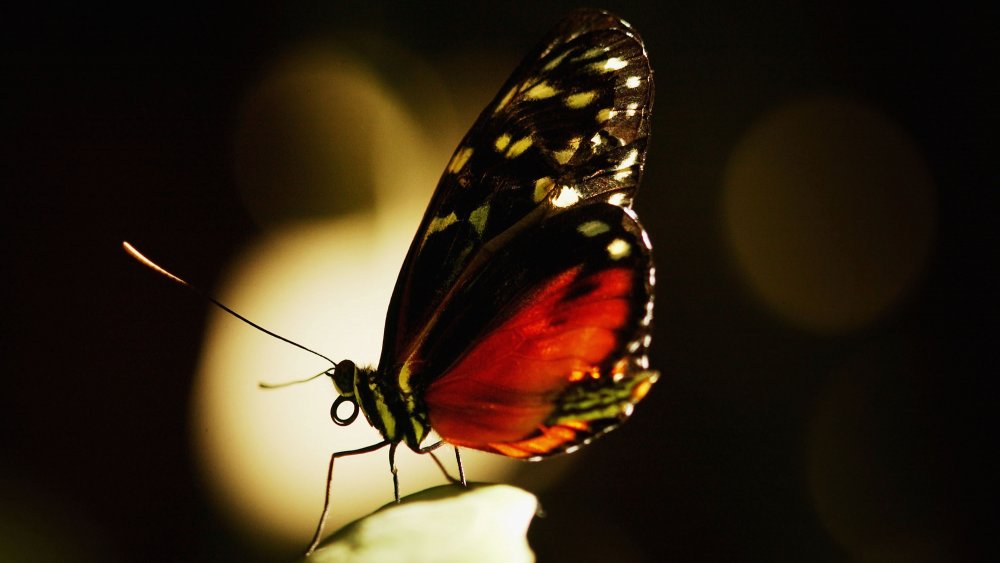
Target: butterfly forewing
column 568, row 129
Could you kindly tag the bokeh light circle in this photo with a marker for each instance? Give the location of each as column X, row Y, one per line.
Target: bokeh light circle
column 830, row 212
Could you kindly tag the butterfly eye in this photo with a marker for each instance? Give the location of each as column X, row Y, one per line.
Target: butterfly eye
column 335, row 411
column 343, row 378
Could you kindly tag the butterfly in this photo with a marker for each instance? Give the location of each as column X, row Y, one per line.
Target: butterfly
column 520, row 321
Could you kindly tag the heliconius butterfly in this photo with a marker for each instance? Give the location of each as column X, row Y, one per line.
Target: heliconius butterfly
column 520, row 320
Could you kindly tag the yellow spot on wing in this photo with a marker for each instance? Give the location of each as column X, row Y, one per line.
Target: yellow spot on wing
column 519, row 146
column 580, row 100
column 563, row 156
column 506, row 99
column 542, row 187
column 502, row 142
column 606, row 114
column 540, row 91
column 591, row 53
column 555, row 62
column 593, row 228
column 438, row 224
column 459, row 160
column 478, row 217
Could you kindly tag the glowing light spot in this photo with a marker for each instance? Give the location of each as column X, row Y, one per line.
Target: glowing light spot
column 618, row 249
column 458, row 161
column 540, row 91
column 502, row 142
column 478, row 217
column 580, row 100
column 632, row 82
column 542, row 187
column 606, row 114
column 567, row 197
column 563, row 156
column 593, row 228
column 617, row 199
column 519, row 147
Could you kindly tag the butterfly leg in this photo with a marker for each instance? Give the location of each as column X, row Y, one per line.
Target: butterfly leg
column 461, row 470
column 329, row 485
column 395, row 471
column 458, row 460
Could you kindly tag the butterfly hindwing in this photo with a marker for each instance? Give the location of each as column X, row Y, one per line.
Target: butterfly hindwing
column 549, row 344
column 569, row 128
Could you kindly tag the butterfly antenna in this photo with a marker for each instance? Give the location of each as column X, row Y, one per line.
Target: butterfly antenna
column 134, row 253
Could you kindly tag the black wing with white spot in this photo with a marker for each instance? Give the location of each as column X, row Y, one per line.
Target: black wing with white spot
column 569, row 128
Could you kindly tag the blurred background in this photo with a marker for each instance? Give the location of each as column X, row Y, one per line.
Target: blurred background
column 814, row 191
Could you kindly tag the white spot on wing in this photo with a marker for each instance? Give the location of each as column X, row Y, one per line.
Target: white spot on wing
column 614, row 63
column 617, row 199
column 567, row 196
column 618, row 249
column 629, row 160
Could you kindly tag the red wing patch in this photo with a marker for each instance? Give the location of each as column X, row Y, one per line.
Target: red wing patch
column 499, row 395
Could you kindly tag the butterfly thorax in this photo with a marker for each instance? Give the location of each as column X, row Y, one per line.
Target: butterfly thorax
column 387, row 410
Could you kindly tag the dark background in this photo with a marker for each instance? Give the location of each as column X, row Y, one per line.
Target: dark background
column 117, row 123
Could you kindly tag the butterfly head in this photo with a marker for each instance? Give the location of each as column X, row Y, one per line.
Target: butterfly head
column 343, row 377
